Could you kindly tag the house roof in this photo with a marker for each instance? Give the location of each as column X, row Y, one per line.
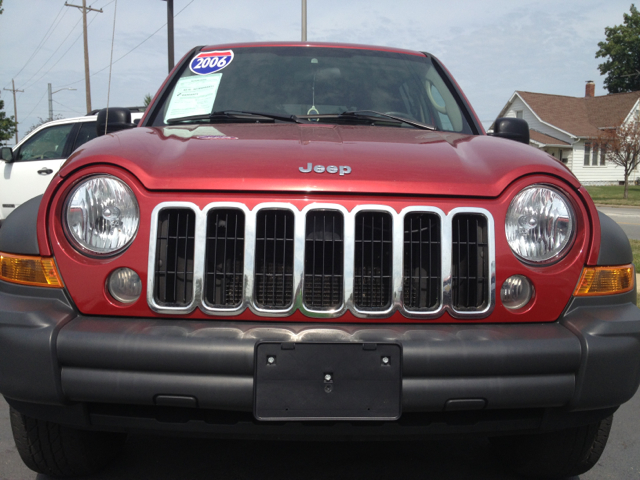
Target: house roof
column 581, row 116
column 544, row 139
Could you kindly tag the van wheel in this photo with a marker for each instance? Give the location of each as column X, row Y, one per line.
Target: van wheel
column 554, row 455
column 60, row 451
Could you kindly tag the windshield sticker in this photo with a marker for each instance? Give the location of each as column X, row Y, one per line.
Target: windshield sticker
column 210, row 62
column 193, row 96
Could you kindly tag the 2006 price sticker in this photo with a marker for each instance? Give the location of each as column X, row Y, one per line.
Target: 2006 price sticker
column 209, row 62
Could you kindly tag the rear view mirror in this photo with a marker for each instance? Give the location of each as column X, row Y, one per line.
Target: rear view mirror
column 118, row 119
column 7, row 154
column 511, row 128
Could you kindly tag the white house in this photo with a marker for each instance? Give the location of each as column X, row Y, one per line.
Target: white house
column 566, row 126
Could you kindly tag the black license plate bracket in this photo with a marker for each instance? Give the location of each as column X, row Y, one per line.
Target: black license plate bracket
column 327, row 381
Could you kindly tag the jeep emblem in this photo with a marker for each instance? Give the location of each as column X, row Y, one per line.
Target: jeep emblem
column 343, row 169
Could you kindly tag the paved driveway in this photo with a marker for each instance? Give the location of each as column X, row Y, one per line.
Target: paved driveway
column 170, row 458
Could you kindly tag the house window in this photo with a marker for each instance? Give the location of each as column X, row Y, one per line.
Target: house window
column 518, row 113
column 596, row 150
column 587, row 153
column 603, row 156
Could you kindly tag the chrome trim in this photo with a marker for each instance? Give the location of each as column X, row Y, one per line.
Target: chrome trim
column 248, row 253
column 445, row 260
column 347, row 269
column 198, row 267
column 298, row 260
column 445, row 303
column 492, row 264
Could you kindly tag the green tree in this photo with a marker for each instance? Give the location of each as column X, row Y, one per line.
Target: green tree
column 7, row 125
column 147, row 98
column 621, row 51
column 621, row 146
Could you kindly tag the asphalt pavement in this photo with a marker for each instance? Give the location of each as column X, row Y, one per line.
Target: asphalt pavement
column 170, row 458
column 627, row 217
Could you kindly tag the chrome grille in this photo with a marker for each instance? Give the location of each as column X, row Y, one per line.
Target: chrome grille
column 373, row 260
column 421, row 261
column 173, row 273
column 274, row 259
column 224, row 264
column 469, row 270
column 322, row 261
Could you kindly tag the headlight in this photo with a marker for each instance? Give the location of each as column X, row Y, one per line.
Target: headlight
column 540, row 224
column 102, row 215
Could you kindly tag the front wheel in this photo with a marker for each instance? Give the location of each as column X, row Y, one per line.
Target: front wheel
column 60, row 451
column 554, row 455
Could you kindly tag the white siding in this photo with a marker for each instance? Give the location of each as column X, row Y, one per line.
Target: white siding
column 588, row 175
column 595, row 174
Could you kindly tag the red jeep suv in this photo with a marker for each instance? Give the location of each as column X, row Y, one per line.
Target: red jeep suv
column 314, row 240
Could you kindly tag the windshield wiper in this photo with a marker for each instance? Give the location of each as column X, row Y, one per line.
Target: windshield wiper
column 370, row 115
column 234, row 115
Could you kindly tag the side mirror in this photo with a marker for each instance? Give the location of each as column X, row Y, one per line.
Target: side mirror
column 118, row 119
column 7, row 154
column 511, row 128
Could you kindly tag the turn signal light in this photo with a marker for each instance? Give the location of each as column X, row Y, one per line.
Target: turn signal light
column 605, row 281
column 27, row 270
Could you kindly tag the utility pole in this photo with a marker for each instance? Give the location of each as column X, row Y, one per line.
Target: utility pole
column 50, row 102
column 87, row 82
column 304, row 20
column 15, row 105
column 51, row 99
column 170, row 33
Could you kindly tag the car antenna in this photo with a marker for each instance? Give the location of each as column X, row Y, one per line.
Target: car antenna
column 113, row 35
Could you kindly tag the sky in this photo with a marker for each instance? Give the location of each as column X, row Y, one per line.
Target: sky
column 491, row 47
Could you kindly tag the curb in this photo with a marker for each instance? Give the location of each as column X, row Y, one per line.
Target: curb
column 616, row 206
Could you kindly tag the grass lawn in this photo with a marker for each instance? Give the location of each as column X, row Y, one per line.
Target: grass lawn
column 612, row 195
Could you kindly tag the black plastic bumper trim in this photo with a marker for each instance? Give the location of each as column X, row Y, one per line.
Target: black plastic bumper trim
column 590, row 359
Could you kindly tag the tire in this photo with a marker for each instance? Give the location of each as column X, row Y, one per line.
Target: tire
column 554, row 455
column 60, row 451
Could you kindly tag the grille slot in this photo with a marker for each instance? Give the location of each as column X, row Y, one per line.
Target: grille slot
column 421, row 263
column 224, row 265
column 274, row 259
column 373, row 260
column 173, row 277
column 470, row 262
column 324, row 259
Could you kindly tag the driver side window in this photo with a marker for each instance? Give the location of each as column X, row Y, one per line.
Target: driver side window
column 47, row 144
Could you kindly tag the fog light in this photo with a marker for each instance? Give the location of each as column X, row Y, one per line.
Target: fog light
column 516, row 292
column 124, row 285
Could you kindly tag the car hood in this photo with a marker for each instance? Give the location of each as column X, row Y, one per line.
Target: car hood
column 272, row 157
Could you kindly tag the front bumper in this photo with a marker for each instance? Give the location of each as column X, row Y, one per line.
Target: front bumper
column 52, row 356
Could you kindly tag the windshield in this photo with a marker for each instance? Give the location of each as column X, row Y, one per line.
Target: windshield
column 307, row 83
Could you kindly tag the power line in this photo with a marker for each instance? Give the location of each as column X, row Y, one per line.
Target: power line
column 44, row 38
column 65, row 106
column 50, row 57
column 87, row 81
column 66, row 51
column 134, row 48
column 37, row 104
